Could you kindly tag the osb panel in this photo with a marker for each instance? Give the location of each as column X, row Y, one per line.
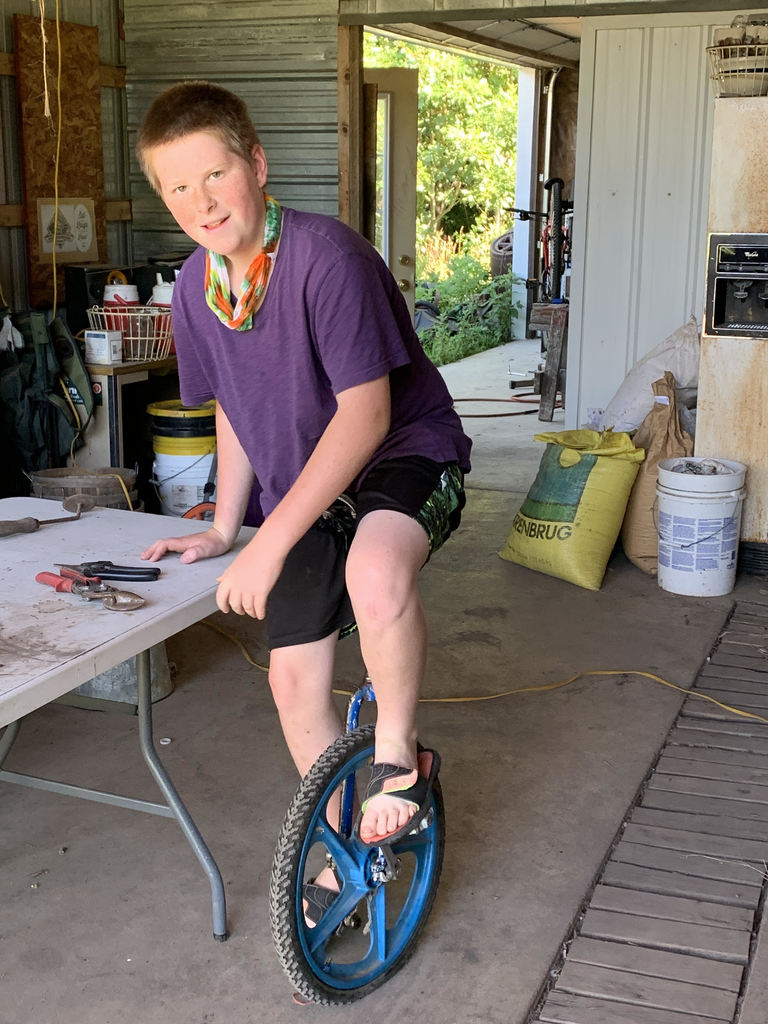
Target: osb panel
column 81, row 171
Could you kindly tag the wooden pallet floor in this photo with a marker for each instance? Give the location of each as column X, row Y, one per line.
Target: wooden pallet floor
column 667, row 933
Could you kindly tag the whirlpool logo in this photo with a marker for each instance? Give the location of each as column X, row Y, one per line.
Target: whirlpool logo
column 541, row 531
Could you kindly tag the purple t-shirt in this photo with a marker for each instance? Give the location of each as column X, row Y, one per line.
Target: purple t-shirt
column 332, row 318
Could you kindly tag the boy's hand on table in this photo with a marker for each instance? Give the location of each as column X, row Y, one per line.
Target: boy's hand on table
column 245, row 584
column 192, row 548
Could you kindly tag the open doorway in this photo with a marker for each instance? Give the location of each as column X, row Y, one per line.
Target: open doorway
column 442, row 185
column 389, row 204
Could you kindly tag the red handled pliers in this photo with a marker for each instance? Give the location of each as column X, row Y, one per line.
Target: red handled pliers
column 91, row 588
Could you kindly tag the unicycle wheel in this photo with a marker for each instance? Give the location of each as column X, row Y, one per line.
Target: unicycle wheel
column 371, row 929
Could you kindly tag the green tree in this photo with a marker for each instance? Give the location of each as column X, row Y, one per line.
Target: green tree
column 467, row 140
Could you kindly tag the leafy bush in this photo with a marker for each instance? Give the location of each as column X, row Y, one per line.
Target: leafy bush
column 467, row 278
column 476, row 312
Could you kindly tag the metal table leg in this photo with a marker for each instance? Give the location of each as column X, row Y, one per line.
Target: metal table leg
column 8, row 739
column 173, row 799
column 172, row 808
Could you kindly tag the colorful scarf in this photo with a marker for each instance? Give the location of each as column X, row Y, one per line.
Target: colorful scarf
column 255, row 280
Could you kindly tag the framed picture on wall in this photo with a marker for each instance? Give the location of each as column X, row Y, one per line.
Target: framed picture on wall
column 73, row 228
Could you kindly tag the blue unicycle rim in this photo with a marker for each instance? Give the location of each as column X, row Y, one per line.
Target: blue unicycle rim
column 386, row 945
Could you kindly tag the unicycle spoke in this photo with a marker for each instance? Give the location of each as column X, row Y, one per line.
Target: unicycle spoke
column 378, row 908
column 325, row 929
column 340, row 849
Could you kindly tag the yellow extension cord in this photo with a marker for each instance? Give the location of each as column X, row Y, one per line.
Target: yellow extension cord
column 526, row 689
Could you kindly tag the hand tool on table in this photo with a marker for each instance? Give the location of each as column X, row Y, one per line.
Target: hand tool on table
column 91, row 589
column 75, row 503
column 109, row 571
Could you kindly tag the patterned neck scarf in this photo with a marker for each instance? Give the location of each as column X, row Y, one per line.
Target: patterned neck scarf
column 255, row 280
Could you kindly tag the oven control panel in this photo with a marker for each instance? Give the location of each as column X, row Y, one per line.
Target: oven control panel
column 737, row 286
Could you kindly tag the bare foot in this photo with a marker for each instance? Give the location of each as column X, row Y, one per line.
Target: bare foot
column 387, row 812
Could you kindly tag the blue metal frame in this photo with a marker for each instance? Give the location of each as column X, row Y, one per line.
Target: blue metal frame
column 364, row 693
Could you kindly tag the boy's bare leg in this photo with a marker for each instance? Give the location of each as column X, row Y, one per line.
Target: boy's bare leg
column 301, row 679
column 383, row 566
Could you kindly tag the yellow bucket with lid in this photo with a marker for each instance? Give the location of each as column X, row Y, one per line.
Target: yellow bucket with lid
column 184, row 446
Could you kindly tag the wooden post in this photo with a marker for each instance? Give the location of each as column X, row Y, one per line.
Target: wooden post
column 551, row 318
column 556, row 344
column 370, row 103
column 350, row 84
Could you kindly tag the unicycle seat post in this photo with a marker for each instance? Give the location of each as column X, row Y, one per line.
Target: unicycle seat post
column 363, row 693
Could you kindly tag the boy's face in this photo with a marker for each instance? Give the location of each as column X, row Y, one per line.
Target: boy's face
column 215, row 195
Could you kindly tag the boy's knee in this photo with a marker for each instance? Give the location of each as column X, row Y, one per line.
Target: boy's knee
column 286, row 685
column 378, row 594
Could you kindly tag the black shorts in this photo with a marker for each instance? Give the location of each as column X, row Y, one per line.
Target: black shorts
column 310, row 599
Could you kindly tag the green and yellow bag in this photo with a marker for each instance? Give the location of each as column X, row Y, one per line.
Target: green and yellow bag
column 570, row 520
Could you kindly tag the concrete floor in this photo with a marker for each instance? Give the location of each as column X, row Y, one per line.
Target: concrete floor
column 106, row 913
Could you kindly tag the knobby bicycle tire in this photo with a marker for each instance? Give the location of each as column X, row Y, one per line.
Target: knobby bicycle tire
column 291, row 935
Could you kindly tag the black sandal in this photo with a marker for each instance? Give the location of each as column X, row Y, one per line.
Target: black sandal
column 319, row 899
column 418, row 794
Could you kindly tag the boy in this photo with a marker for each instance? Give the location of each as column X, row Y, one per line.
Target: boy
column 322, row 390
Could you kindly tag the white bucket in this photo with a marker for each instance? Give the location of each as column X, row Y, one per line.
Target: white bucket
column 180, row 481
column 699, row 520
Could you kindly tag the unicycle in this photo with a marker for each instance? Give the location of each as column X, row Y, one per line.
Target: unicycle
column 370, row 930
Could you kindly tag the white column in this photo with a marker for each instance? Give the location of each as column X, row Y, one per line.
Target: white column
column 525, row 188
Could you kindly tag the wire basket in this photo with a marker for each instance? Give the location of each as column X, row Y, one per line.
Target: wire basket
column 739, row 69
column 147, row 330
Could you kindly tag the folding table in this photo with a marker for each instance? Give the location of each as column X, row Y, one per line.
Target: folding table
column 52, row 642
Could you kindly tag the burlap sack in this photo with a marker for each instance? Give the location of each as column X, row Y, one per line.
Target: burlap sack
column 662, row 437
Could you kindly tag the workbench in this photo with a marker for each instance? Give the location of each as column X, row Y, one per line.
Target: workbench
column 52, row 642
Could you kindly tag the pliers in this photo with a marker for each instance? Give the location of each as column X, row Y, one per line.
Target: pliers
column 110, row 571
column 91, row 589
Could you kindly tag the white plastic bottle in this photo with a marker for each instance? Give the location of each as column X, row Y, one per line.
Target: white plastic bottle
column 162, row 293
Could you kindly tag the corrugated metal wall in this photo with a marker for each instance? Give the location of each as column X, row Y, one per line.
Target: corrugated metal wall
column 278, row 55
column 105, row 15
column 642, row 179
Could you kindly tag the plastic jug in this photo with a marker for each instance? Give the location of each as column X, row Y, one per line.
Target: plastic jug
column 117, row 291
column 162, row 293
column 119, row 298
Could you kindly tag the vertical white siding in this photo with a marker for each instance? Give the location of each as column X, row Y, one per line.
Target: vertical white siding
column 642, row 180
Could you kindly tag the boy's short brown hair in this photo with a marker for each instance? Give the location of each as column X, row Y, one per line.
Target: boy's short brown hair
column 195, row 106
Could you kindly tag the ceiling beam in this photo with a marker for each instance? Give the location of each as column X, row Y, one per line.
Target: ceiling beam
column 541, row 59
column 575, row 9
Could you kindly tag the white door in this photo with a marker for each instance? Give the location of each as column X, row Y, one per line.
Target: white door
column 396, row 144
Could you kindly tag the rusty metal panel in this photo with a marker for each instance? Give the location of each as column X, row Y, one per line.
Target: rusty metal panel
column 279, row 56
column 738, row 198
column 732, row 418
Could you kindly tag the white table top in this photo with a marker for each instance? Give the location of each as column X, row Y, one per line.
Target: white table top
column 52, row 642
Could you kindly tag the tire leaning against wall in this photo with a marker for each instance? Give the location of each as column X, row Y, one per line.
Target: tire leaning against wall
column 501, row 254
